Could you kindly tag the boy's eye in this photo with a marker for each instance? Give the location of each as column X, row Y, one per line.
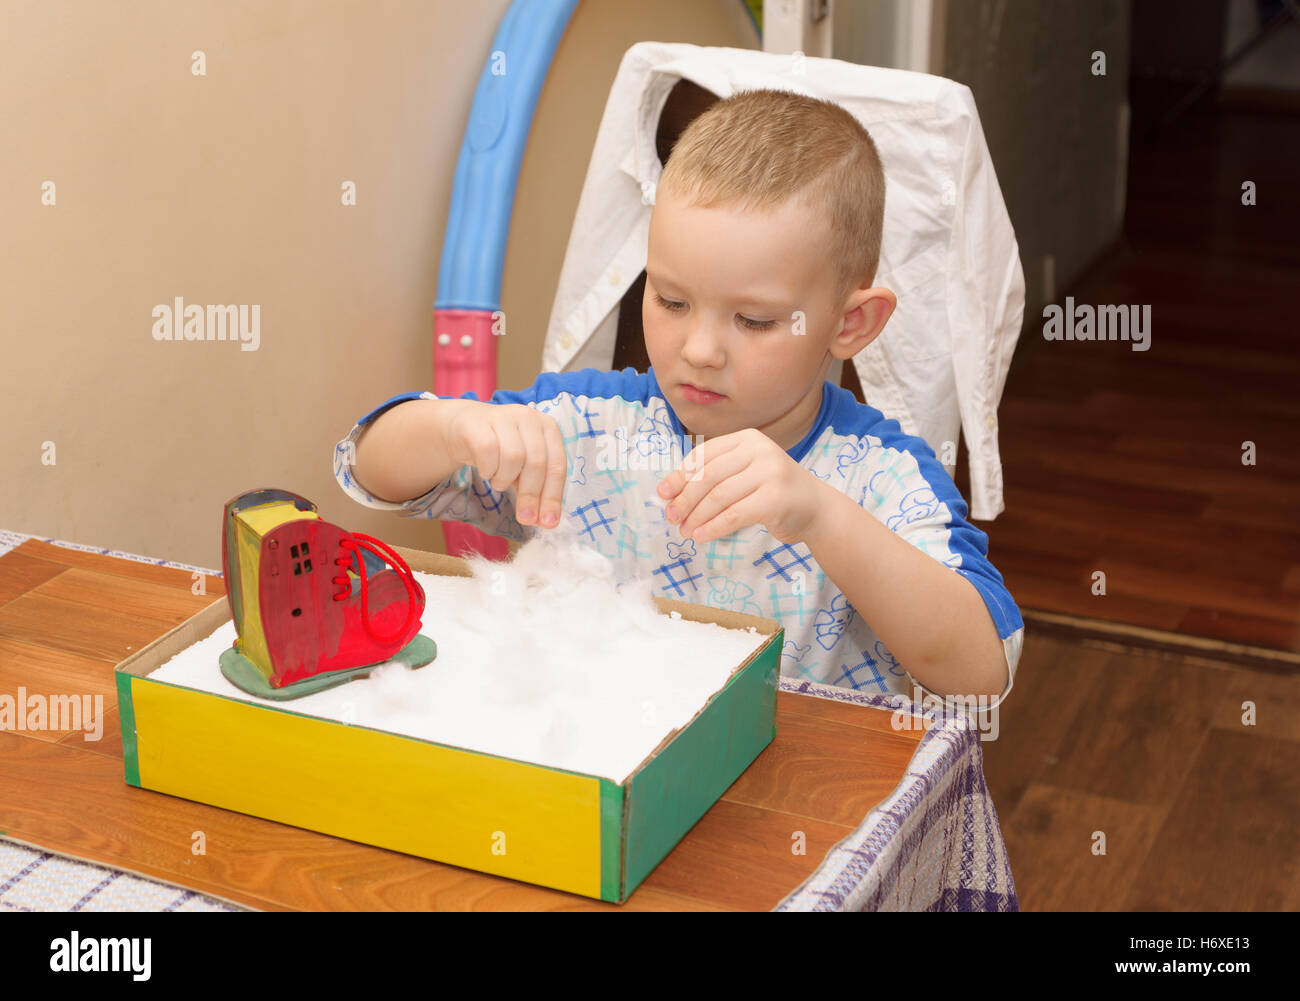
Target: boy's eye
column 674, row 306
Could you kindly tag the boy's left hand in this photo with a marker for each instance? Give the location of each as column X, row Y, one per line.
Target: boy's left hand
column 742, row 479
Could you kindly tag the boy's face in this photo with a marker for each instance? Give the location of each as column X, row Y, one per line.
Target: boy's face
column 752, row 314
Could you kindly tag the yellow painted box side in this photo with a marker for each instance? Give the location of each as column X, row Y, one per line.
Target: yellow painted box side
column 495, row 815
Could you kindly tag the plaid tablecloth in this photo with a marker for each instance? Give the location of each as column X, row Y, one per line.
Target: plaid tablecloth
column 33, row 879
column 933, row 845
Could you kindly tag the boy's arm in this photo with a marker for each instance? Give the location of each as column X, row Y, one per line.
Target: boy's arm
column 931, row 618
column 403, row 453
column 409, row 460
column 410, row 453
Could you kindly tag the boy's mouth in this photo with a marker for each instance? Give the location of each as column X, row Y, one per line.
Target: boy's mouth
column 698, row 395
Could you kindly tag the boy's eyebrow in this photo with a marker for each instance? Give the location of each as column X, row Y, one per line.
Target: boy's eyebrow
column 757, row 300
column 655, row 277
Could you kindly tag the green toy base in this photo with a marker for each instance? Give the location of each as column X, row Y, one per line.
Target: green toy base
column 244, row 675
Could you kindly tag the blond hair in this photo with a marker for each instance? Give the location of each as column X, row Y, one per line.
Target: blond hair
column 759, row 148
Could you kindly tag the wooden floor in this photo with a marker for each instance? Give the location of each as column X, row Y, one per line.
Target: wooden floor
column 1198, row 810
column 1130, row 463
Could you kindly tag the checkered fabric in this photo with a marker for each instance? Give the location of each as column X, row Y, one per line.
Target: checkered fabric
column 933, row 845
column 33, row 879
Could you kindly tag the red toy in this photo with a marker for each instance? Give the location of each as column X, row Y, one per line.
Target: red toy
column 314, row 605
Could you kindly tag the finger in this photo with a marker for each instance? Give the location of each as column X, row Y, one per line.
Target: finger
column 713, row 472
column 725, row 494
column 692, row 465
column 557, row 472
column 532, row 476
column 671, row 485
column 509, row 454
column 481, row 444
column 740, row 514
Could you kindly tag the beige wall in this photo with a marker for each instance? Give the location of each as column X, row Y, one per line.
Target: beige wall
column 225, row 189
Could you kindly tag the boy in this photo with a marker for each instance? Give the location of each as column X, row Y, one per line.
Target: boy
column 789, row 499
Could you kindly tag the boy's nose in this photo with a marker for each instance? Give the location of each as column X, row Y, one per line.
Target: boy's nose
column 703, row 345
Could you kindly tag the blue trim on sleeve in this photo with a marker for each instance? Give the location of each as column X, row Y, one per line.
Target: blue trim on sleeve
column 387, row 404
column 596, row 383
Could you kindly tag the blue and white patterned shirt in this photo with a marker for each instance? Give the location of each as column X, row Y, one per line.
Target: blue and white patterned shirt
column 622, row 438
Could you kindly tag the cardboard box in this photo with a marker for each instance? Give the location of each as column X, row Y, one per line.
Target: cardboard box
column 562, row 829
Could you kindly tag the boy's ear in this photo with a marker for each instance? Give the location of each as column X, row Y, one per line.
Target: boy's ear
column 869, row 309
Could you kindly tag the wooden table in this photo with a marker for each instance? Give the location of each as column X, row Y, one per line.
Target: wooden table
column 67, row 618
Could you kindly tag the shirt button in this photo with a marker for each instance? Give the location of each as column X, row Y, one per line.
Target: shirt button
column 614, row 277
column 992, row 422
column 566, row 341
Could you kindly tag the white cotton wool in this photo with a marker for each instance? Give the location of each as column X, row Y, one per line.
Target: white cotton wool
column 556, row 589
column 550, row 658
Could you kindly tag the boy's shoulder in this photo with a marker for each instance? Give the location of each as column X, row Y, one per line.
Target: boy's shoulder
column 869, row 456
column 847, row 418
column 590, row 383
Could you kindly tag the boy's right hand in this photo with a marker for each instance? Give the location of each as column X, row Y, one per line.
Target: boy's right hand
column 512, row 445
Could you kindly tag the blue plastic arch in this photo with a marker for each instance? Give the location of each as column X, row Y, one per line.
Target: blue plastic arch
column 487, row 170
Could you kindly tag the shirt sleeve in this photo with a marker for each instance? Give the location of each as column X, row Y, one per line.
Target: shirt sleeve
column 464, row 495
column 907, row 489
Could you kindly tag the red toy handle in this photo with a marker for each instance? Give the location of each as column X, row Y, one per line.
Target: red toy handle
column 357, row 540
